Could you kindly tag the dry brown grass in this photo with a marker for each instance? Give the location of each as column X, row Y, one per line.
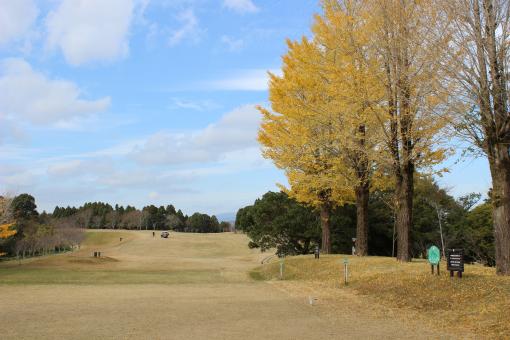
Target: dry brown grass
column 478, row 303
column 187, row 287
column 140, row 258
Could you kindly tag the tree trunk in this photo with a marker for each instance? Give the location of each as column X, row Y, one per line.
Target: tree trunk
column 404, row 211
column 362, row 196
column 497, row 130
column 500, row 171
column 306, row 246
column 326, row 241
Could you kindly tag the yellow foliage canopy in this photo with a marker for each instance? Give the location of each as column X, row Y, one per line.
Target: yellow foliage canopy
column 332, row 125
column 322, row 129
column 5, row 231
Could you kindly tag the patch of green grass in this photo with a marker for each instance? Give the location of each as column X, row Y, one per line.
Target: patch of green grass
column 480, row 301
column 256, row 275
column 94, row 238
column 30, row 276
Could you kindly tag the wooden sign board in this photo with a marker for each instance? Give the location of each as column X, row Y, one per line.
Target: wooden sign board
column 455, row 261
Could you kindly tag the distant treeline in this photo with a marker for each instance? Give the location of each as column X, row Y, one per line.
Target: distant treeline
column 99, row 215
column 277, row 221
column 35, row 234
column 39, row 234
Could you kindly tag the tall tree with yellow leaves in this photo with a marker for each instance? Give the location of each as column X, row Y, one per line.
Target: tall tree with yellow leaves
column 412, row 40
column 321, row 127
column 352, row 70
column 293, row 134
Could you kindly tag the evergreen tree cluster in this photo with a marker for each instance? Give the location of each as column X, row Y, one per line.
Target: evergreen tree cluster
column 100, row 215
column 277, row 221
column 36, row 234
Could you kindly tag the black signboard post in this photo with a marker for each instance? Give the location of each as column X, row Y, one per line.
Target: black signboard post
column 455, row 261
column 317, row 252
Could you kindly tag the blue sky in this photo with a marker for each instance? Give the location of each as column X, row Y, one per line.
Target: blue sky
column 147, row 101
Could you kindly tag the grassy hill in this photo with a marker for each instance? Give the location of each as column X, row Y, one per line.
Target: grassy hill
column 139, row 258
column 211, row 286
column 479, row 302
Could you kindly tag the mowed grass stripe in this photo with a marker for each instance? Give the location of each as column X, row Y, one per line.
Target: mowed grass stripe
column 29, row 276
column 139, row 258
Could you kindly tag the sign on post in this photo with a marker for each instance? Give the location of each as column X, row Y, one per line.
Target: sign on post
column 282, row 266
column 434, row 256
column 455, row 261
column 346, row 262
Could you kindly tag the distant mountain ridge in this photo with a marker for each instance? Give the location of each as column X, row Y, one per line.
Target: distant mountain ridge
column 226, row 217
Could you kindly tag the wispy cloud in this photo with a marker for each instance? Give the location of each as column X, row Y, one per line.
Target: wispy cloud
column 27, row 95
column 233, row 45
column 241, row 6
column 244, row 80
column 16, row 19
column 194, row 105
column 189, row 30
column 236, row 130
column 162, row 170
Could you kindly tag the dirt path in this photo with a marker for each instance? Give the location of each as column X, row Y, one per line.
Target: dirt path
column 219, row 302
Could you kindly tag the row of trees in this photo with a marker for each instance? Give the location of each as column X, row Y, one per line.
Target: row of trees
column 23, row 231
column 279, row 221
column 372, row 97
column 99, row 215
column 32, row 234
column 6, row 224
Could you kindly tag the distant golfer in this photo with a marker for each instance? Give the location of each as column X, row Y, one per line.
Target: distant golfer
column 153, row 234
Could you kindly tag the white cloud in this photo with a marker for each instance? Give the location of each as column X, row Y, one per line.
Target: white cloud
column 240, row 6
column 189, row 29
column 19, row 180
column 16, row 178
column 65, row 168
column 153, row 195
column 32, row 96
column 170, row 167
column 232, row 44
column 236, row 130
column 16, row 18
column 11, row 132
column 90, row 30
column 195, row 105
column 246, row 80
column 80, row 170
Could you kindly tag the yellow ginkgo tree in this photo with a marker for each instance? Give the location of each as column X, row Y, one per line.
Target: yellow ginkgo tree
column 321, row 126
column 6, row 231
column 353, row 71
column 294, row 136
column 412, row 40
column 6, row 218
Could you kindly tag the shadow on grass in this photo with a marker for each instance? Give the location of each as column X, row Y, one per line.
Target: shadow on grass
column 256, row 275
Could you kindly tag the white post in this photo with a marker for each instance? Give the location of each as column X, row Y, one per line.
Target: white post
column 440, row 229
column 345, row 272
